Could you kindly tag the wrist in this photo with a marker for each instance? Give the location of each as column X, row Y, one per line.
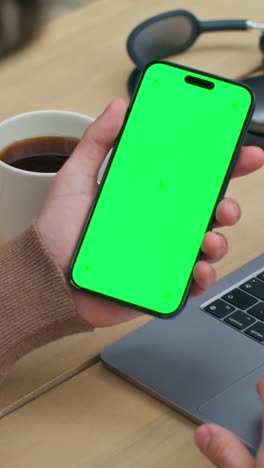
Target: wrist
column 55, row 247
column 37, row 306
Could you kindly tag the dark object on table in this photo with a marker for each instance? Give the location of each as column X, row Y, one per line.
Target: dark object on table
column 20, row 22
column 256, row 129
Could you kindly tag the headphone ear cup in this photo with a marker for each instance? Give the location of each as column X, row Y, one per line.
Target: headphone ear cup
column 254, row 139
column 255, row 135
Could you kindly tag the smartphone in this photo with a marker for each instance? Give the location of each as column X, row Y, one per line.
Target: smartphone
column 168, row 170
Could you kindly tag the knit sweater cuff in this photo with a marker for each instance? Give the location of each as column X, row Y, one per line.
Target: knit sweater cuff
column 36, row 306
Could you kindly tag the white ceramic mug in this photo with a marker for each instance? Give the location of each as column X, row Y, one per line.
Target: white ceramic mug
column 23, row 193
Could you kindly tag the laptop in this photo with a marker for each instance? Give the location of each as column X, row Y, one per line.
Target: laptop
column 206, row 361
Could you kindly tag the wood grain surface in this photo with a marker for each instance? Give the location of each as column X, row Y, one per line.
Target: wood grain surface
column 97, row 420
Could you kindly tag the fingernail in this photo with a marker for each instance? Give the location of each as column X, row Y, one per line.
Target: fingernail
column 203, row 438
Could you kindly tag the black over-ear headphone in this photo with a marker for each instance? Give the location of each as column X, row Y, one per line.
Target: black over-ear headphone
column 174, row 32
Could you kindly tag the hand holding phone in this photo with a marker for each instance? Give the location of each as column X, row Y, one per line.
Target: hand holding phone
column 168, row 170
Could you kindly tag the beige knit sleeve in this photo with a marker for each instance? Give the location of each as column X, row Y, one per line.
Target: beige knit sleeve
column 36, row 305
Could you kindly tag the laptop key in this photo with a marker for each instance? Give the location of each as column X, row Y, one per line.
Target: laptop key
column 219, row 308
column 255, row 287
column 239, row 320
column 256, row 331
column 240, row 299
column 257, row 311
column 261, row 276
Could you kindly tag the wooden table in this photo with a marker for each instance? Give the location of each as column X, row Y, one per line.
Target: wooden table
column 79, row 63
column 97, row 420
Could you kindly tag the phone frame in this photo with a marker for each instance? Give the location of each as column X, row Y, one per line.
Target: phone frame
column 212, row 220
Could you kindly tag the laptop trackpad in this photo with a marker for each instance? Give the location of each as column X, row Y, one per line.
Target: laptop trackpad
column 238, row 408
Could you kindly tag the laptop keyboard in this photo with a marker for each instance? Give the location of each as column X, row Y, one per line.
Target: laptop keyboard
column 241, row 306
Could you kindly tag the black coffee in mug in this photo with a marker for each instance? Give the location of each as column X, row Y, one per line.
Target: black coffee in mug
column 39, row 154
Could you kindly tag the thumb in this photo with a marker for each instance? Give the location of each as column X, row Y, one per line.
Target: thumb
column 223, row 448
column 260, row 391
column 97, row 141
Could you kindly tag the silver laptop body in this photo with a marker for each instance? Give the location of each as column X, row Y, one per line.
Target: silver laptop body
column 200, row 365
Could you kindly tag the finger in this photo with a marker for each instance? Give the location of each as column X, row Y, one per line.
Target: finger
column 260, row 390
column 227, row 213
column 214, row 246
column 96, row 142
column 251, row 159
column 223, row 448
column 204, row 277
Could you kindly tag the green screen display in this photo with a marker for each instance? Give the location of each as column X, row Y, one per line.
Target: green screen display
column 146, row 230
